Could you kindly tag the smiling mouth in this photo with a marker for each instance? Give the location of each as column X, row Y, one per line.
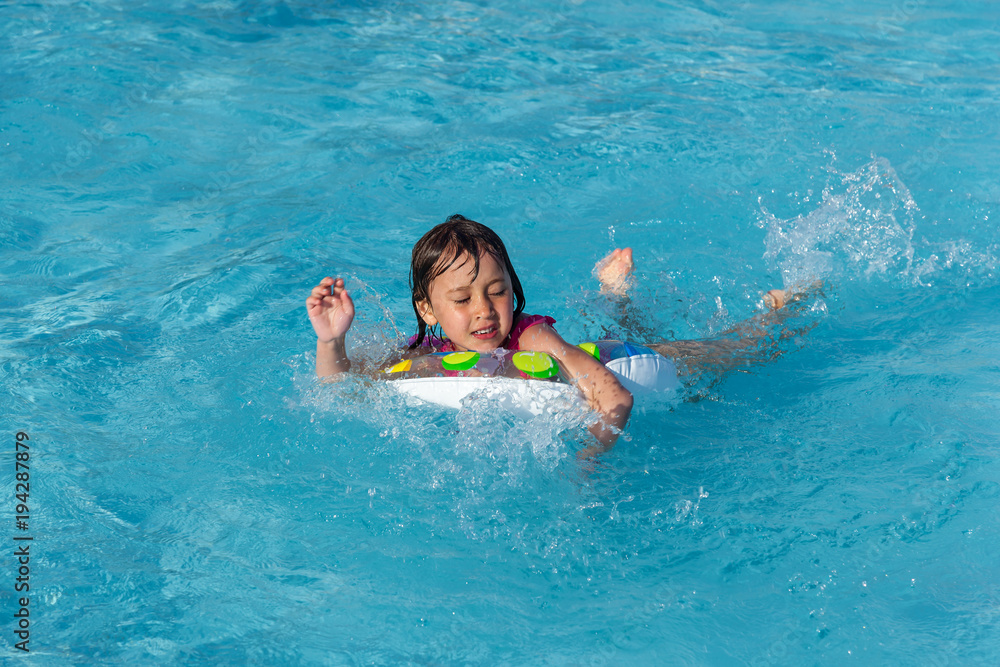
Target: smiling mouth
column 488, row 332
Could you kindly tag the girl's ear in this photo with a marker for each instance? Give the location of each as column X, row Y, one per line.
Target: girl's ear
column 426, row 313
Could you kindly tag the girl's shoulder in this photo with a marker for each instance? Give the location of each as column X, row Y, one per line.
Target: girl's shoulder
column 525, row 322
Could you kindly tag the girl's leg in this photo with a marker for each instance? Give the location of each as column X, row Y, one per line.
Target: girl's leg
column 755, row 340
column 614, row 272
column 752, row 341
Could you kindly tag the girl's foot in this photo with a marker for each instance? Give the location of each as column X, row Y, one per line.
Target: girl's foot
column 777, row 299
column 615, row 271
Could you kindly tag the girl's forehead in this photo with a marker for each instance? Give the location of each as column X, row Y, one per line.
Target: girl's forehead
column 462, row 266
column 456, row 260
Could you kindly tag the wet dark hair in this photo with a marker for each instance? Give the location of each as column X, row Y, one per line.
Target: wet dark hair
column 440, row 248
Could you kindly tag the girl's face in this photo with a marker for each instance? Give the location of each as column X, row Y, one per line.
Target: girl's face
column 476, row 314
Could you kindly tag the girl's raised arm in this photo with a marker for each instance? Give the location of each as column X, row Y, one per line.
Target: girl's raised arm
column 599, row 385
column 331, row 312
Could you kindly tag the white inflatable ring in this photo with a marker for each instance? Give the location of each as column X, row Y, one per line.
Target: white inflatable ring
column 524, row 381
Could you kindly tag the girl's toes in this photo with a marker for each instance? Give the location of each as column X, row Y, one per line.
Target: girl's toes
column 775, row 299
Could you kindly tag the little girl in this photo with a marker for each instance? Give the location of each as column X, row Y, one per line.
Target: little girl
column 462, row 281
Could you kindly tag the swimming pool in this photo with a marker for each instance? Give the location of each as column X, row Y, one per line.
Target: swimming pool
column 177, row 177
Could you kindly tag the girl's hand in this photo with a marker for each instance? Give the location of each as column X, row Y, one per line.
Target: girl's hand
column 599, row 385
column 330, row 309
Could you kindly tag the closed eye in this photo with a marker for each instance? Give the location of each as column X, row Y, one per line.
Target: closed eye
column 499, row 294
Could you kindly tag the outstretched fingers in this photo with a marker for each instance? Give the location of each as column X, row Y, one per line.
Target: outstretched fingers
column 330, row 308
column 323, row 288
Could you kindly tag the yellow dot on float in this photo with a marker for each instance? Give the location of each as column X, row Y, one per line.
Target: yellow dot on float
column 460, row 361
column 401, row 367
column 591, row 349
column 535, row 364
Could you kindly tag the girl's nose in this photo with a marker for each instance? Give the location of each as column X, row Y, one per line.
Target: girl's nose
column 484, row 307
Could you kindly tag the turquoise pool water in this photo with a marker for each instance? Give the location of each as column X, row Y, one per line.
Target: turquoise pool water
column 176, row 176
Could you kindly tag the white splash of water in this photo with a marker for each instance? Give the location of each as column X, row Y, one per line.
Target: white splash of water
column 866, row 227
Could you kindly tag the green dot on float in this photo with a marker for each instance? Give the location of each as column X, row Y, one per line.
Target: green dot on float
column 536, row 364
column 460, row 361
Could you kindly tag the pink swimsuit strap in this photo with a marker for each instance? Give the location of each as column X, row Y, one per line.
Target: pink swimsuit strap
column 523, row 324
